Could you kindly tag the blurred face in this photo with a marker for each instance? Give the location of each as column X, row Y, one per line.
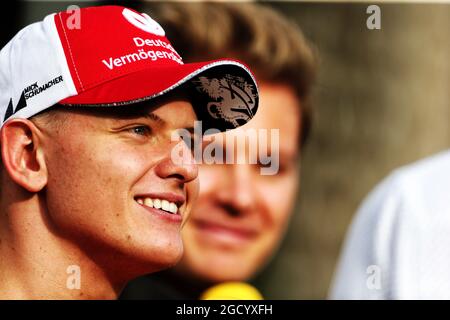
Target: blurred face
column 113, row 189
column 241, row 215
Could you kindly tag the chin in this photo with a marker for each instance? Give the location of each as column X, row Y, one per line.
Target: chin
column 143, row 257
column 223, row 275
column 222, row 270
column 162, row 257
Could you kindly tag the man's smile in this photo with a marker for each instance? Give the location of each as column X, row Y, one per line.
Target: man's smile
column 158, row 204
column 164, row 203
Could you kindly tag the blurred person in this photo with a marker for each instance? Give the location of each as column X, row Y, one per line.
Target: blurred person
column 396, row 246
column 241, row 215
column 90, row 196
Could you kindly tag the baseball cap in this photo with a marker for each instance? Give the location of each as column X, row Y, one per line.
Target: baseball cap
column 115, row 57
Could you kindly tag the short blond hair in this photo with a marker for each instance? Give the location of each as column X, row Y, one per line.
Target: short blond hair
column 273, row 46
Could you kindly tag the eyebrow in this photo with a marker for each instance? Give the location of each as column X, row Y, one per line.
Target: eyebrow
column 162, row 122
column 155, row 118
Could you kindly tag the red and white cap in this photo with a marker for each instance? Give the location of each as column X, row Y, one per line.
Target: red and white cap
column 115, row 56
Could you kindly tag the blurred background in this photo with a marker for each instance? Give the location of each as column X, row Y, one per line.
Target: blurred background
column 382, row 101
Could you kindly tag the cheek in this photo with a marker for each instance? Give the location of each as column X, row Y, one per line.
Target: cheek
column 279, row 198
column 89, row 184
column 192, row 190
column 208, row 176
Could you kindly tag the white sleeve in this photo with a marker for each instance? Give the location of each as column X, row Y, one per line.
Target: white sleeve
column 363, row 271
column 401, row 231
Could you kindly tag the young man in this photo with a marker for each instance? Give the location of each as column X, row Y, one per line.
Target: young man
column 241, row 215
column 90, row 194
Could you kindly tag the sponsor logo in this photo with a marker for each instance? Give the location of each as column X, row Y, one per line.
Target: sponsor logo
column 167, row 52
column 143, row 22
column 29, row 92
column 35, row 89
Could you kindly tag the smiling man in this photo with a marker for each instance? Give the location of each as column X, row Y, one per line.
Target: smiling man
column 90, row 196
column 242, row 214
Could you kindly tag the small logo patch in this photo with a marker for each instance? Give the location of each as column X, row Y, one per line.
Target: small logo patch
column 233, row 98
column 29, row 92
column 143, row 22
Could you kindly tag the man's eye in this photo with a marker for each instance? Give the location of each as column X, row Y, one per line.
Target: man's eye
column 141, row 130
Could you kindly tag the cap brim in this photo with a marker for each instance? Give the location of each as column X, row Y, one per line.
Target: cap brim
column 224, row 92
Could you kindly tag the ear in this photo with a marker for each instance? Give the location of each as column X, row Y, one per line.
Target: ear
column 22, row 154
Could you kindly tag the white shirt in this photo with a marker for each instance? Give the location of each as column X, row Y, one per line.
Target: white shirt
column 398, row 246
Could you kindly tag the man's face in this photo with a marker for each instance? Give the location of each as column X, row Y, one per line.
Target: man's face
column 241, row 215
column 105, row 168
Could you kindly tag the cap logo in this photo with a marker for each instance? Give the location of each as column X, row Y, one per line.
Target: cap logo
column 143, row 22
column 233, row 97
column 29, row 92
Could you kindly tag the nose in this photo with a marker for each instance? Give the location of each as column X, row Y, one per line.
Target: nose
column 182, row 168
column 238, row 192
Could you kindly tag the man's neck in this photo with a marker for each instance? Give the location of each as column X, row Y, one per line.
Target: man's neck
column 37, row 263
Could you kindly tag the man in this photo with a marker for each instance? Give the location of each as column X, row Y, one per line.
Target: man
column 90, row 194
column 397, row 246
column 241, row 214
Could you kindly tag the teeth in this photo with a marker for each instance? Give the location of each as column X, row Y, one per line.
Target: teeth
column 173, row 208
column 165, row 205
column 158, row 204
column 148, row 202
